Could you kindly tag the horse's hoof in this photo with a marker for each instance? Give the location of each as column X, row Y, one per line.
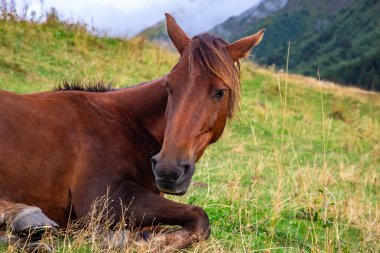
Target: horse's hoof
column 32, row 223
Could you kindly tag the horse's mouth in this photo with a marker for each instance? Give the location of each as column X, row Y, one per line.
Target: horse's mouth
column 170, row 187
column 174, row 193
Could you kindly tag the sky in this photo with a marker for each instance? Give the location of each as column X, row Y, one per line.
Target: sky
column 128, row 17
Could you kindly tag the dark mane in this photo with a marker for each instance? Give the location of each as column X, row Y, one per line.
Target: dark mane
column 210, row 54
column 79, row 85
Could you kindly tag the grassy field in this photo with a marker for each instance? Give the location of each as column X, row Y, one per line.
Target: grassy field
column 298, row 172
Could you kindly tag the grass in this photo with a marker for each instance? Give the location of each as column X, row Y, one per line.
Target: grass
column 300, row 177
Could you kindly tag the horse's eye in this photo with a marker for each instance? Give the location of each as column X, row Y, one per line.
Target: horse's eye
column 219, row 94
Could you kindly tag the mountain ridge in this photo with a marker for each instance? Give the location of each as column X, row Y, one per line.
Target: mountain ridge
column 320, row 33
column 321, row 36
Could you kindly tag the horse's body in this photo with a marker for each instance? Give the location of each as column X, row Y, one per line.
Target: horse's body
column 61, row 150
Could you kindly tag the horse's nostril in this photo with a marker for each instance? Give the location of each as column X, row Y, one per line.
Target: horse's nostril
column 165, row 171
column 154, row 162
column 178, row 176
column 185, row 170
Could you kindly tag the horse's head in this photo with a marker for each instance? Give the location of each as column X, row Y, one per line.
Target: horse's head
column 203, row 92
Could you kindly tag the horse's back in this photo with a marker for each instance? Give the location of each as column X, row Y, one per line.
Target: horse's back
column 30, row 126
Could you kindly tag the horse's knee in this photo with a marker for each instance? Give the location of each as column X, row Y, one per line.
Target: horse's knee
column 200, row 223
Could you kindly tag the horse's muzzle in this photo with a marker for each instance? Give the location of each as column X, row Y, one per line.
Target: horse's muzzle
column 172, row 179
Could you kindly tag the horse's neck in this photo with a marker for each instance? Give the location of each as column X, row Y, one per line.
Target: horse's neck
column 144, row 105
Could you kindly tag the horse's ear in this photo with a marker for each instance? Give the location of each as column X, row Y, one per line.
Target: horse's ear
column 240, row 48
column 176, row 34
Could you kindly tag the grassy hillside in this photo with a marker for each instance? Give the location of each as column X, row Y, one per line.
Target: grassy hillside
column 298, row 172
column 35, row 57
column 340, row 37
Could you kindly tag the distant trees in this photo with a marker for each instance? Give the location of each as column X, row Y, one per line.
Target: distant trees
column 363, row 72
column 341, row 38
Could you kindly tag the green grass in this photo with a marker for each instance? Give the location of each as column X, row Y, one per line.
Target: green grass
column 262, row 184
column 263, row 193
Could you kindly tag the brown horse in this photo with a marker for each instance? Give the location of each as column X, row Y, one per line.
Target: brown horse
column 61, row 150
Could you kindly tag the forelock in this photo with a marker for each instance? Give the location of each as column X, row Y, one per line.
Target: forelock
column 209, row 54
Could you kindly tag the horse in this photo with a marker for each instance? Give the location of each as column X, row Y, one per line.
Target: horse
column 60, row 150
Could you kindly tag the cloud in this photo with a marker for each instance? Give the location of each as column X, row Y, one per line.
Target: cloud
column 128, row 17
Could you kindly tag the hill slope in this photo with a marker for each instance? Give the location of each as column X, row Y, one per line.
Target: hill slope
column 156, row 33
column 298, row 172
column 339, row 37
column 36, row 57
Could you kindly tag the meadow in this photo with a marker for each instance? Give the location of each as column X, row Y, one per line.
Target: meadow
column 298, row 171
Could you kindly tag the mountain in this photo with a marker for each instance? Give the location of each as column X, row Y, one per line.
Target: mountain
column 340, row 37
column 232, row 28
column 156, row 33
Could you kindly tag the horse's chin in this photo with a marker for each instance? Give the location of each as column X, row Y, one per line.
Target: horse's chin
column 174, row 193
column 169, row 189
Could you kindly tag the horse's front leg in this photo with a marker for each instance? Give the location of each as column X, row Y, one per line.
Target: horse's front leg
column 149, row 209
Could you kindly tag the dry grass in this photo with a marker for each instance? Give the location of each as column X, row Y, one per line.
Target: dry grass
column 327, row 86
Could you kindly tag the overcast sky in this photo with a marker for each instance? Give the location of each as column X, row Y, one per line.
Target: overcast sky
column 128, row 17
